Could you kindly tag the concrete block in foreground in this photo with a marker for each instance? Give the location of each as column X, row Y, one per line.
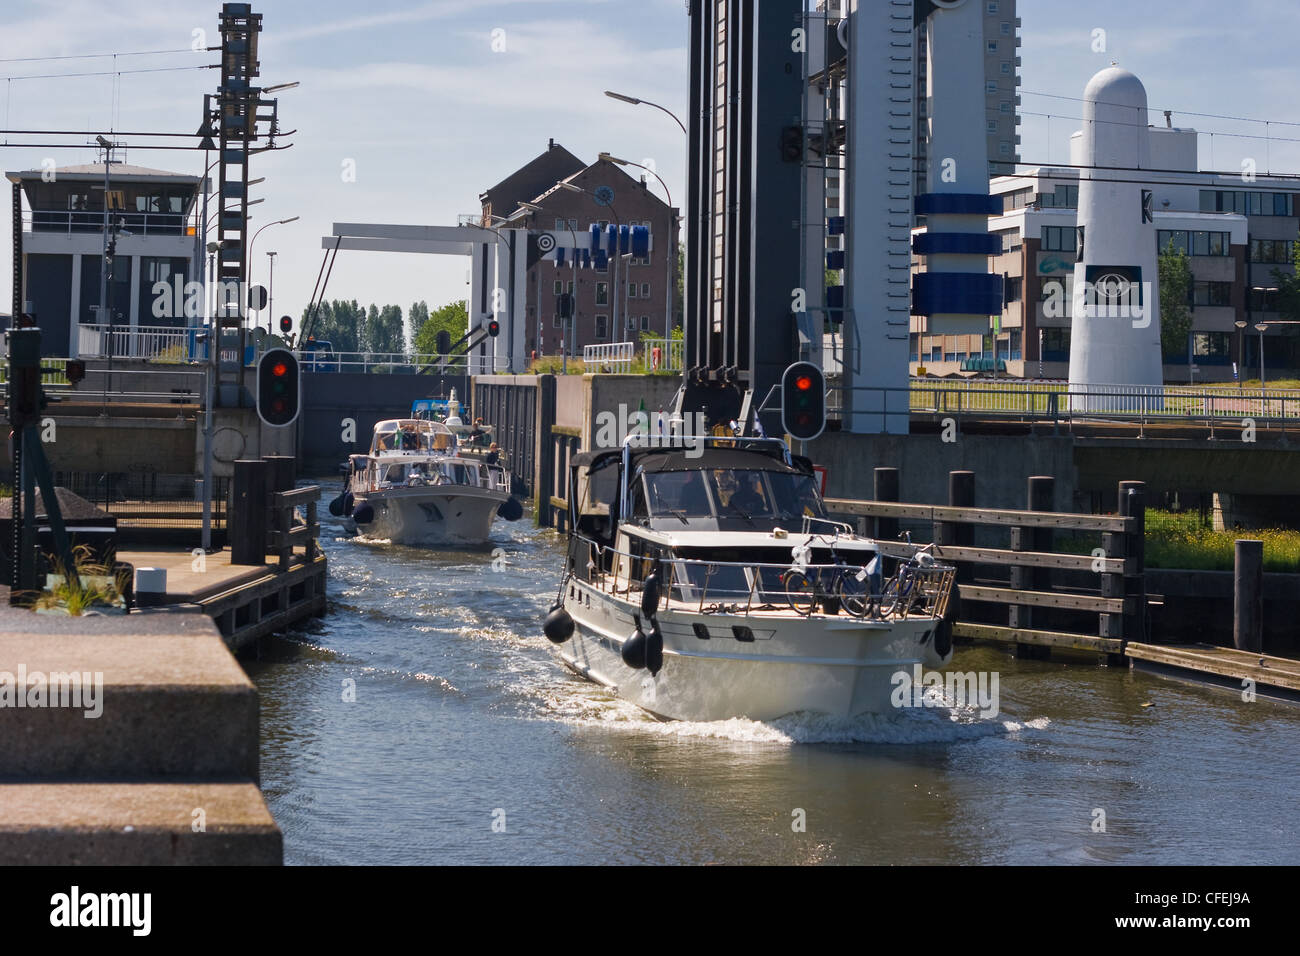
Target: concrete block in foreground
column 137, row 824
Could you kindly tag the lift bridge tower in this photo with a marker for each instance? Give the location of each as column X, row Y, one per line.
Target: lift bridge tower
column 790, row 107
column 244, row 122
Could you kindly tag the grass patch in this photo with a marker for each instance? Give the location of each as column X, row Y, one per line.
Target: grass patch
column 1178, row 540
column 554, row 364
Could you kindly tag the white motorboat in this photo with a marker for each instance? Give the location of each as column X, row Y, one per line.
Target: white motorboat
column 415, row 488
column 705, row 582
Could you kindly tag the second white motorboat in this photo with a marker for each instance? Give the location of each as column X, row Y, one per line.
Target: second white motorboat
column 413, row 487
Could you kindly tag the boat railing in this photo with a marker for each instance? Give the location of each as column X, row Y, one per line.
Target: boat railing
column 915, row 589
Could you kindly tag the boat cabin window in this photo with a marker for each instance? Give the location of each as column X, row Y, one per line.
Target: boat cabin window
column 738, row 499
column 681, row 494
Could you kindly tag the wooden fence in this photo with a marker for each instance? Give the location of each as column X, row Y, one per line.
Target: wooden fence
column 1048, row 593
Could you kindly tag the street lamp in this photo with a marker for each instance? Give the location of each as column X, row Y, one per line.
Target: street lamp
column 1241, row 349
column 278, row 222
column 270, row 295
column 613, row 275
column 637, row 102
column 672, row 217
column 1260, row 327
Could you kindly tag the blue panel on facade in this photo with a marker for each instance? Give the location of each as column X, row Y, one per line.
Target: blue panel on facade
column 957, row 204
column 595, row 236
column 640, row 242
column 959, row 293
column 835, row 300
column 835, row 226
column 835, row 259
column 972, row 243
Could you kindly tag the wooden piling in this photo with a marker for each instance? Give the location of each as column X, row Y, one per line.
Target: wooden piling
column 247, row 518
column 885, row 488
column 1040, row 494
column 1248, row 596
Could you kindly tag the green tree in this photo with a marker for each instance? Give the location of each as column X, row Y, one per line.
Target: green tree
column 452, row 317
column 338, row 322
column 1288, row 286
column 416, row 316
column 1175, row 276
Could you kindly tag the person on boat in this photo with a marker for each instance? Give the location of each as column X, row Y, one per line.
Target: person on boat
column 477, row 432
column 748, row 498
column 493, row 456
column 693, row 499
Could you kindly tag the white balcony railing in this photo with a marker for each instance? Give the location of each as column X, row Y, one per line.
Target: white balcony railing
column 612, row 357
column 166, row 343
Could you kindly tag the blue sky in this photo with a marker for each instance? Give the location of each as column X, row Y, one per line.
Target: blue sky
column 415, row 95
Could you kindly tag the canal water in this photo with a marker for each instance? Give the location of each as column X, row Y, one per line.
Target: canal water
column 466, row 742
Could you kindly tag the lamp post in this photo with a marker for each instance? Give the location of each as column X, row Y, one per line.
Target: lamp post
column 278, row 222
column 638, row 102
column 1260, row 327
column 613, row 279
column 1241, row 349
column 214, row 343
column 672, row 231
column 270, row 294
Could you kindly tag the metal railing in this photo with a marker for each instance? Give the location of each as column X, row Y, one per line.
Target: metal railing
column 1046, row 399
column 396, row 362
column 662, row 355
column 612, row 357
column 751, row 587
column 165, row 343
column 1058, row 403
column 69, row 221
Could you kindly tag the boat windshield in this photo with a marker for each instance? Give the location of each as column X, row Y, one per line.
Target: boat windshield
column 735, row 498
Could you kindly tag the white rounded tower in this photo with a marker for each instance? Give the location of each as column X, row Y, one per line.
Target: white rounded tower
column 1115, row 329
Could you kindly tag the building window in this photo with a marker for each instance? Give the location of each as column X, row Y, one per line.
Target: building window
column 645, row 323
column 1006, row 67
column 1004, row 107
column 1194, row 242
column 992, row 126
column 631, row 290
column 560, row 224
column 602, row 327
column 645, row 290
column 1056, row 345
column 602, row 293
column 1208, row 346
column 1263, row 300
column 992, row 8
column 1004, row 148
column 1278, row 251
column 1212, row 293
column 991, row 48
column 1005, row 27
column 991, row 87
column 1013, row 345
column 1247, row 203
column 559, row 287
column 1014, row 284
column 1058, row 238
column 1064, row 197
column 1010, row 240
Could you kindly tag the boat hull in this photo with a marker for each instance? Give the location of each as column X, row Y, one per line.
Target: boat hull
column 456, row 515
column 827, row 664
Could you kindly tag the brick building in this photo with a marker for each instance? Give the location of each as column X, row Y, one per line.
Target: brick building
column 555, row 192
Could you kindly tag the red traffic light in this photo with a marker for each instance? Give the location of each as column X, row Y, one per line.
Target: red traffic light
column 286, row 324
column 278, row 387
column 494, row 328
column 803, row 403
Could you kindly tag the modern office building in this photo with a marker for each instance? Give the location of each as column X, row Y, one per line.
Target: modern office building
column 153, row 237
column 1235, row 233
column 558, row 193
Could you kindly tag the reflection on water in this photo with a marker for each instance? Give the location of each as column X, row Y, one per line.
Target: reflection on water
column 462, row 719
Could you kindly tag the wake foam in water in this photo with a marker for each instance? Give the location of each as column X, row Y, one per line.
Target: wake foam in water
column 576, row 702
